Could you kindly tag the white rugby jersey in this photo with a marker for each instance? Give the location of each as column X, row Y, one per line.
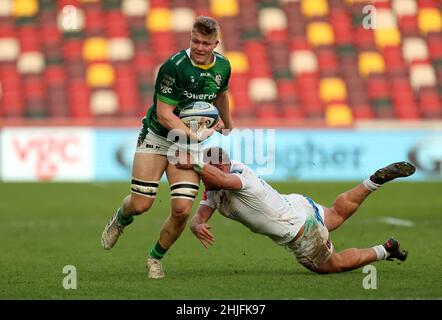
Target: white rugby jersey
column 259, row 207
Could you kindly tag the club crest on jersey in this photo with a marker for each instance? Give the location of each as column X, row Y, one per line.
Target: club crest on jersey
column 218, row 79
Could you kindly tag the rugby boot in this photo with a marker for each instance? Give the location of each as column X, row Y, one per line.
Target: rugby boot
column 393, row 171
column 112, row 232
column 392, row 246
column 154, row 268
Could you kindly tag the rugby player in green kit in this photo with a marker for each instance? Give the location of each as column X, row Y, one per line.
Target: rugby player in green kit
column 195, row 74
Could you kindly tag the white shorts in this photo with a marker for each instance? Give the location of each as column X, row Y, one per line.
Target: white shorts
column 156, row 144
column 313, row 247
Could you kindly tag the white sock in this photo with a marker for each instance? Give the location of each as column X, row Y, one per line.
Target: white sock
column 370, row 185
column 381, row 253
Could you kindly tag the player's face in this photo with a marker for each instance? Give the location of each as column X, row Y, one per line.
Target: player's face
column 201, row 47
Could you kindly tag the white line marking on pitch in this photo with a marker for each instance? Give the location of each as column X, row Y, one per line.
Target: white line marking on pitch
column 398, row 222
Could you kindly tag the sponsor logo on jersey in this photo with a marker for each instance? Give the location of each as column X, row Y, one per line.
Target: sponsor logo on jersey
column 205, row 74
column 168, row 80
column 201, row 96
column 165, row 89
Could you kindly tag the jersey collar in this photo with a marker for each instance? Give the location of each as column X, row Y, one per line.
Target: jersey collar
column 205, row 67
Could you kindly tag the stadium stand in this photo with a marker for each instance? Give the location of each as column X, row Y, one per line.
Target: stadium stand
column 291, row 59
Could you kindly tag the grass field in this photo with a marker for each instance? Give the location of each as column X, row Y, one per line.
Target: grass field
column 47, row 226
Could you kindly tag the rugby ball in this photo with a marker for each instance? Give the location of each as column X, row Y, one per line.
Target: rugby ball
column 199, row 114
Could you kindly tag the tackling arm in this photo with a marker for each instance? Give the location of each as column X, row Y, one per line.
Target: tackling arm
column 216, row 178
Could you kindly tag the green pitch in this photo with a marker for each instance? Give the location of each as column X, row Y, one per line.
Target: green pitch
column 45, row 227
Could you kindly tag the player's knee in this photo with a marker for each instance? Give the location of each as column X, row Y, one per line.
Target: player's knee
column 141, row 205
column 181, row 210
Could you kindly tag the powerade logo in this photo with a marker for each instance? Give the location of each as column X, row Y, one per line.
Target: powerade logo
column 201, row 96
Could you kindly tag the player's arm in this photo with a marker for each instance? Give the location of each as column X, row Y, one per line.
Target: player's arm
column 217, row 179
column 170, row 121
column 222, row 103
column 199, row 225
column 213, row 178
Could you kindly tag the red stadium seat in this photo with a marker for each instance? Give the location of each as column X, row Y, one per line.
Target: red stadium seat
column 430, row 103
column 267, row 110
column 362, row 111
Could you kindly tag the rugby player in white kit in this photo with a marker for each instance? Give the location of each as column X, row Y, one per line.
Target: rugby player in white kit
column 294, row 221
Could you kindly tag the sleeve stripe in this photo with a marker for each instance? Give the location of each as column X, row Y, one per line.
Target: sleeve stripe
column 167, row 100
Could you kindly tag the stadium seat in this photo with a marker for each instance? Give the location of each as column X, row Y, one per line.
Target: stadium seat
column 303, row 61
column 408, row 26
column 430, row 103
column 103, row 102
column 370, row 62
column 100, row 75
column 71, row 20
column 422, row 75
column 159, row 19
column 337, row 115
column 394, row 61
column 6, row 8
column 363, row 38
column 327, row 60
column 95, row 22
column 119, row 28
column 55, row 75
column 434, row 42
column 332, row 90
column 429, row 20
column 272, row 18
column 385, row 19
column 224, row 8
column 262, row 89
column 378, row 87
column 95, row 49
column 403, row 100
column 320, row 33
column 135, row 8
column 341, row 23
column 404, row 7
column 78, row 96
column 24, row 8
column 31, row 62
column 182, row 19
column 314, row 8
column 9, row 49
column 120, row 49
column 362, row 112
column 387, row 37
column 238, row 61
column 414, row 50
column 383, row 109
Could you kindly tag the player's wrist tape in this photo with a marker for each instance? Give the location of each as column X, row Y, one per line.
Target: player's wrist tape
column 198, row 167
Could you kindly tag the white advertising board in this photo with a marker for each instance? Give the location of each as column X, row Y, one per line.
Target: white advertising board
column 46, row 154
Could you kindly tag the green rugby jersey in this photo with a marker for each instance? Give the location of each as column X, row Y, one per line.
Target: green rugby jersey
column 180, row 82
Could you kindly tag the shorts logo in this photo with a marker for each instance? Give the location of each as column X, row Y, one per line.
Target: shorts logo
column 151, row 146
